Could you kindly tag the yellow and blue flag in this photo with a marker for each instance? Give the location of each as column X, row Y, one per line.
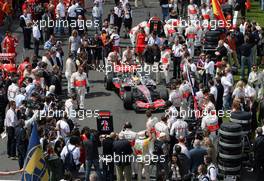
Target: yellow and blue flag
column 35, row 167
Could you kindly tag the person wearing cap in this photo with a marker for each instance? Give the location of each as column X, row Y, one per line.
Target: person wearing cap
column 79, row 82
column 258, row 148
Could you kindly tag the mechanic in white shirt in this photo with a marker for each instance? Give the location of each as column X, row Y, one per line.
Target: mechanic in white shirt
column 162, row 127
column 12, row 90
column 175, row 95
column 179, row 128
column 176, row 49
column 127, row 132
column 172, row 112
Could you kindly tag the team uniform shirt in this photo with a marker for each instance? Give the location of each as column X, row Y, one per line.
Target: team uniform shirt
column 176, row 49
column 141, row 147
column 128, row 134
column 161, row 127
column 179, row 128
column 79, row 81
column 9, row 44
column 176, row 97
column 210, row 122
column 165, row 58
column 12, row 91
column 200, row 98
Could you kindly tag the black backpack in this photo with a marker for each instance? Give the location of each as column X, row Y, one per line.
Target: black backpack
column 69, row 163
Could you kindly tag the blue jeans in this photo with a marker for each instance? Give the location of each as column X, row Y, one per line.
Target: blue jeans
column 89, row 164
column 59, row 26
column 227, row 102
column 245, row 60
column 165, row 13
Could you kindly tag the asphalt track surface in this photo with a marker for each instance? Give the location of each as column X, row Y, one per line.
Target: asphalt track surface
column 98, row 98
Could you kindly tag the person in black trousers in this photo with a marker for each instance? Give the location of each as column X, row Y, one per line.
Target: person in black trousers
column 108, row 168
column 11, row 123
column 22, row 143
column 258, row 149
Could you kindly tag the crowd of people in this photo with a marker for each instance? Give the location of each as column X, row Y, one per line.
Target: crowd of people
column 179, row 145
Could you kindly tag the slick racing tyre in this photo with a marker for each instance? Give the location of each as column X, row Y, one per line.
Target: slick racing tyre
column 234, row 151
column 128, row 100
column 212, row 34
column 211, row 43
column 224, row 170
column 211, row 39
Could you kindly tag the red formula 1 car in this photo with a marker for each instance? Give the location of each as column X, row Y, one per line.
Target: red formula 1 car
column 138, row 91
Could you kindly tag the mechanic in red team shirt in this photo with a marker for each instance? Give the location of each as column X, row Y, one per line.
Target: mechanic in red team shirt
column 9, row 44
